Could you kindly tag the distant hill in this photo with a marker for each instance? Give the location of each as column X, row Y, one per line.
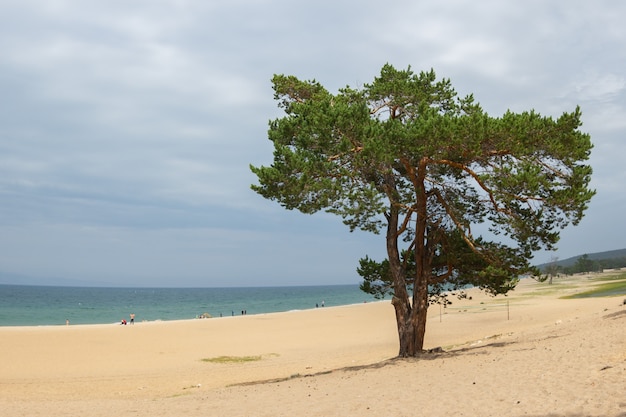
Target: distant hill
column 611, row 254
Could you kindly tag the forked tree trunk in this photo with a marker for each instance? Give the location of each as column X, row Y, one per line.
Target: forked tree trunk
column 422, row 262
column 410, row 314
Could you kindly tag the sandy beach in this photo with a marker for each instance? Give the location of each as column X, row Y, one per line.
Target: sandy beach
column 529, row 354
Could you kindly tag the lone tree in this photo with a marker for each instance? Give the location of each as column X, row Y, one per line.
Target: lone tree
column 552, row 269
column 406, row 155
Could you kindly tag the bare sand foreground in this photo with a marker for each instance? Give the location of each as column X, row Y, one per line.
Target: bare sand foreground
column 528, row 354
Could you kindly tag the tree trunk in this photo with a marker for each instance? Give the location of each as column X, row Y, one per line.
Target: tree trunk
column 411, row 316
column 420, row 312
column 406, row 329
column 411, row 321
column 422, row 260
column 401, row 300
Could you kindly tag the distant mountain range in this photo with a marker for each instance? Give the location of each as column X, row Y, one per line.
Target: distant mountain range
column 611, row 254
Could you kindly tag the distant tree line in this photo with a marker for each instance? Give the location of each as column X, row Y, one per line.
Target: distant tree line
column 584, row 264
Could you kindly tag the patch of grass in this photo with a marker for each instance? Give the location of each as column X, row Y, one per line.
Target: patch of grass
column 548, row 289
column 178, row 395
column 236, row 359
column 233, row 359
column 605, row 290
column 617, row 277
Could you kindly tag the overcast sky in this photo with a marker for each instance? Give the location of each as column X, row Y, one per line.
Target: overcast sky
column 127, row 127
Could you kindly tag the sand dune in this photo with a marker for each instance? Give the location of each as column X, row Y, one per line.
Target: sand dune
column 531, row 353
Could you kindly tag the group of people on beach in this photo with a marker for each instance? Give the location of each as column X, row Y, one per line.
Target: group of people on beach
column 132, row 320
column 205, row 315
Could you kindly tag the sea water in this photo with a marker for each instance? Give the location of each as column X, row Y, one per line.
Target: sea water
column 22, row 305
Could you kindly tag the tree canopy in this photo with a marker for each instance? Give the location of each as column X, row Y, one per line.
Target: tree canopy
column 405, row 155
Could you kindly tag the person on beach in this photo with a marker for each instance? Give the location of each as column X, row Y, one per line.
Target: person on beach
column 123, row 322
column 132, row 318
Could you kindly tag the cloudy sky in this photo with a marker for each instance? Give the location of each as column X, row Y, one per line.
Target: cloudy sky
column 127, row 127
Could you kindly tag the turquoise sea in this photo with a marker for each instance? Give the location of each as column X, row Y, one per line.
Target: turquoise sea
column 22, row 305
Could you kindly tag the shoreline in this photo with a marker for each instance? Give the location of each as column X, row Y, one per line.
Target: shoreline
column 197, row 316
column 183, row 319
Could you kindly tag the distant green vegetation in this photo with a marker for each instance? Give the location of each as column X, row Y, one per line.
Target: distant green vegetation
column 616, row 286
column 585, row 264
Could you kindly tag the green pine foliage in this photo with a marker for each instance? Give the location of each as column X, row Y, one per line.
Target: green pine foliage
column 407, row 157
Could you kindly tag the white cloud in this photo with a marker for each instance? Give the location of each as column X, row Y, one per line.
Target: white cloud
column 598, row 87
